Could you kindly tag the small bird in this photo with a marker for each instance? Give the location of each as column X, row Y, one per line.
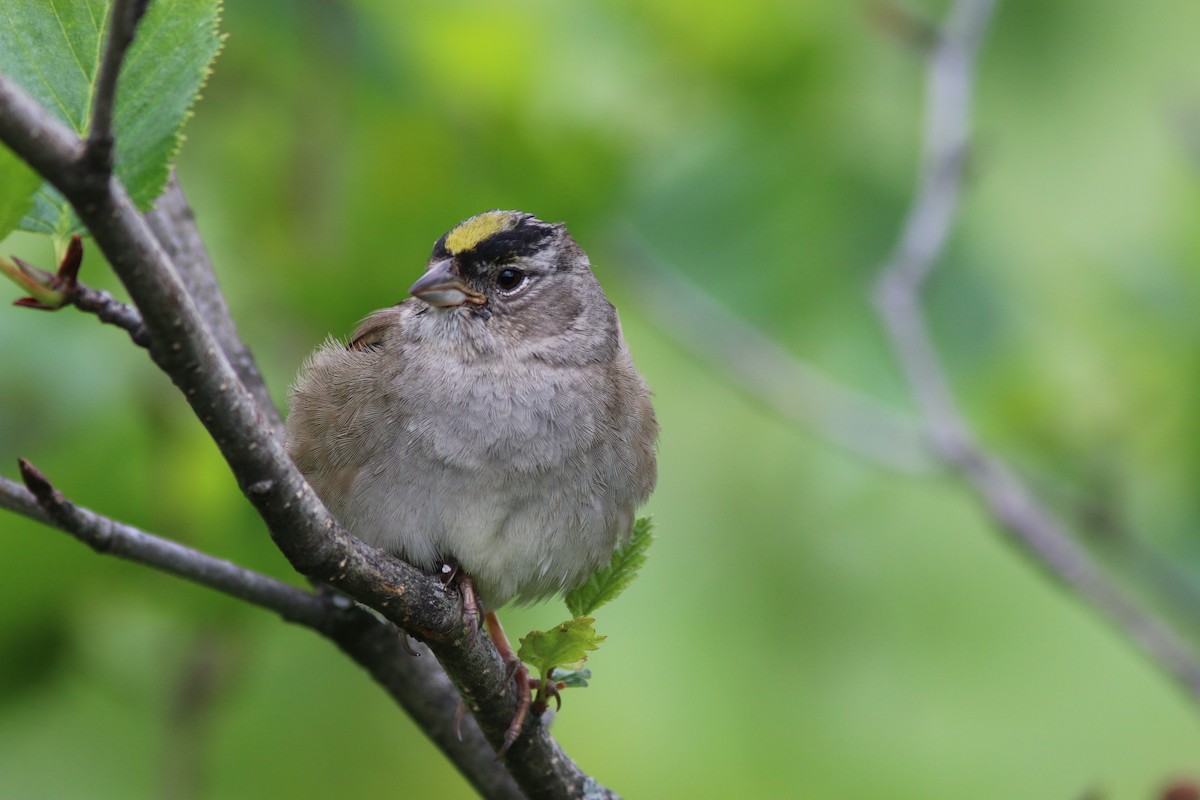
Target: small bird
column 493, row 422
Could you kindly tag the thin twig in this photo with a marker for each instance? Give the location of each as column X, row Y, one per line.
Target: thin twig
column 1100, row 519
column 764, row 369
column 303, row 529
column 418, row 684
column 124, row 16
column 898, row 297
column 110, row 537
column 16, row 498
column 112, row 311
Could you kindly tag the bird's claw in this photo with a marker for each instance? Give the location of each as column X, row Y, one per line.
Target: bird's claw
column 520, row 673
column 516, row 671
column 452, row 574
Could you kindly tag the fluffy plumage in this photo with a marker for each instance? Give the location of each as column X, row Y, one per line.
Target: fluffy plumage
column 499, row 422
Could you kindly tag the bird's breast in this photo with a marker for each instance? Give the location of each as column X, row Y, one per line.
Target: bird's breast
column 501, row 414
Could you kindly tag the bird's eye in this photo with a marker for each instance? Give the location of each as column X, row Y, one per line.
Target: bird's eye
column 509, row 279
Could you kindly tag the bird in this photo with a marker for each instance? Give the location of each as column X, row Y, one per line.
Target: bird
column 492, row 425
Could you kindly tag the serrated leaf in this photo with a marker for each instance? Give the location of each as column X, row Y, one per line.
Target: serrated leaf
column 17, row 184
column 565, row 645
column 53, row 50
column 607, row 582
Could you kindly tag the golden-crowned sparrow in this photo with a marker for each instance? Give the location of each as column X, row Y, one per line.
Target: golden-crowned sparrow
column 494, row 420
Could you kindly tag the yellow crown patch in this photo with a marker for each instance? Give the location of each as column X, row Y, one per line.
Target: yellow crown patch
column 471, row 232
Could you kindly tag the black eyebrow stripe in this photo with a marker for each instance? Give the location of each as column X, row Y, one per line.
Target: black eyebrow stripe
column 508, row 244
column 439, row 248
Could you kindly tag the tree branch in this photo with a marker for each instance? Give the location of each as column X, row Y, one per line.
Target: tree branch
column 186, row 350
column 123, row 20
column 417, row 683
column 109, row 537
column 18, row 499
column 765, row 370
column 35, row 134
column 898, row 297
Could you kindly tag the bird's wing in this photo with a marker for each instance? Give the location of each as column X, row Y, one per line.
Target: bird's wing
column 339, row 409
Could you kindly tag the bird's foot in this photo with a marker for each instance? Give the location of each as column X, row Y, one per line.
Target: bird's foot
column 517, row 671
column 452, row 575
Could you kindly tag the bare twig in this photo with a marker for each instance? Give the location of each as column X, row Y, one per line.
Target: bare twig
column 418, row 684
column 1099, row 517
column 112, row 311
column 110, row 537
column 124, row 16
column 1011, row 504
column 16, row 498
column 764, row 369
column 183, row 346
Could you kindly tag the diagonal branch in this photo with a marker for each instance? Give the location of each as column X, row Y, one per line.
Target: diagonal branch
column 186, row 350
column 174, row 226
column 1029, row 525
column 765, row 370
column 416, row 683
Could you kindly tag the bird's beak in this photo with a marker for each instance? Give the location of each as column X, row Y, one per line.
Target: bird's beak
column 442, row 286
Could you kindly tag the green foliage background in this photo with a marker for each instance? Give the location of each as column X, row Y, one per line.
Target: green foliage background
column 807, row 625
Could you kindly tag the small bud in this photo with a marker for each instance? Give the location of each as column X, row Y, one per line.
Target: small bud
column 68, row 267
column 34, row 479
column 48, row 292
column 39, row 283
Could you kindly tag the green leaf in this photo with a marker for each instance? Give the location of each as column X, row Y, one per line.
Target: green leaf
column 17, row 184
column 53, row 50
column 572, row 678
column 566, row 645
column 607, row 582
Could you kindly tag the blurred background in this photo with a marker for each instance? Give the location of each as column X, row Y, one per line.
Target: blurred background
column 811, row 623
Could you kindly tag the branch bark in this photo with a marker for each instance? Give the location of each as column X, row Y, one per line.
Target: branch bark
column 123, row 19
column 1010, row 503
